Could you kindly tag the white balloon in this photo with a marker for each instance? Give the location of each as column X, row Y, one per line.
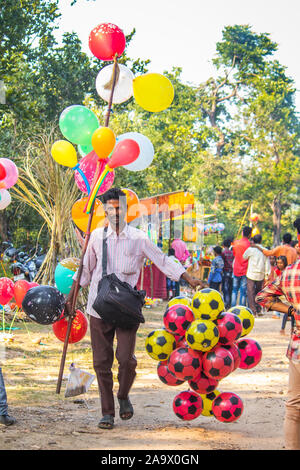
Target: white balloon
column 146, row 151
column 123, row 88
column 5, row 199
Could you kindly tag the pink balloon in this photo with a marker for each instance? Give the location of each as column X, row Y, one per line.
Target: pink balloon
column 12, row 173
column 88, row 165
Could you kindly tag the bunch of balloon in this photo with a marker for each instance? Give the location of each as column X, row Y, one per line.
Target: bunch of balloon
column 20, row 288
column 8, row 177
column 102, row 152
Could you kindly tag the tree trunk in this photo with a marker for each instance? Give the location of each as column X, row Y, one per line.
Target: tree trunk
column 3, row 226
column 276, row 207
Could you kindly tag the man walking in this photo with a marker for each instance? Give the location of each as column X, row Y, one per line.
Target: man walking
column 240, row 266
column 258, row 269
column 126, row 249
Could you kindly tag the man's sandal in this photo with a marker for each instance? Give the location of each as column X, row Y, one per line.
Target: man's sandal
column 107, row 422
column 126, row 409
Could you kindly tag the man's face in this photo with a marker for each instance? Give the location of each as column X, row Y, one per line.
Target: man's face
column 115, row 211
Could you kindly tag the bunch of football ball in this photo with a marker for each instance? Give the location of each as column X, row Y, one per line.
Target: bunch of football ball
column 202, row 344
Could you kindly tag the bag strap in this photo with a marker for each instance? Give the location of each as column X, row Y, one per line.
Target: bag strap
column 104, row 253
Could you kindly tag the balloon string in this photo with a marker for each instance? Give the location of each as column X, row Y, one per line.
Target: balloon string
column 77, row 168
column 11, row 325
column 96, row 188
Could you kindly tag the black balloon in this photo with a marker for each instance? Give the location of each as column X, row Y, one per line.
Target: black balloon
column 43, row 304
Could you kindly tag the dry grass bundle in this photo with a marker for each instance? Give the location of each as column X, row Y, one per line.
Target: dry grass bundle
column 49, row 189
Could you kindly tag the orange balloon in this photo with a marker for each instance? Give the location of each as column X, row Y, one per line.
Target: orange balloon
column 133, row 205
column 80, row 218
column 103, row 142
column 20, row 289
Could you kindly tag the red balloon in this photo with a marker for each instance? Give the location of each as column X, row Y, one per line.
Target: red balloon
column 20, row 289
column 125, row 152
column 6, row 290
column 78, row 329
column 107, row 40
column 2, row 172
column 33, row 284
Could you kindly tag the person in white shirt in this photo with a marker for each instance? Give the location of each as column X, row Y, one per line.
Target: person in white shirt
column 258, row 269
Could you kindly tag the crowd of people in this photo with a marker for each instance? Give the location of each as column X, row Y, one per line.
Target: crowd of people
column 242, row 267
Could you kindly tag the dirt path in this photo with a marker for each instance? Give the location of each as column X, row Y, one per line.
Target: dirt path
column 63, row 424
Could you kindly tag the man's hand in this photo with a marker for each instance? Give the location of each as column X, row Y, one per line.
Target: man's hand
column 69, row 302
column 192, row 281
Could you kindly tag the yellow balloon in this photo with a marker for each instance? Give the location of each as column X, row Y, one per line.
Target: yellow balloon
column 103, row 142
column 64, row 153
column 153, row 92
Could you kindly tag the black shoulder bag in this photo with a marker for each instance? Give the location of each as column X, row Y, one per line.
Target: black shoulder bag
column 117, row 302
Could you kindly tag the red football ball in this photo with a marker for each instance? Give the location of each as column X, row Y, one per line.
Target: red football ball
column 185, row 363
column 187, row 405
column 165, row 375
column 230, row 327
column 227, row 407
column 203, row 384
column 251, row 353
column 217, row 363
column 178, row 318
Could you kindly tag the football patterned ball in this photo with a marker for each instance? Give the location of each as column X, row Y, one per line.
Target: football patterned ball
column 165, row 376
column 217, row 363
column 203, row 384
column 246, row 316
column 207, row 400
column 187, row 405
column 230, row 327
column 227, row 407
column 202, row 335
column 177, row 318
column 236, row 354
column 207, row 304
column 159, row 344
column 179, row 300
column 251, row 353
column 185, row 363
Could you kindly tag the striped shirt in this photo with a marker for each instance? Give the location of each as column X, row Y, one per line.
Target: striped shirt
column 288, row 285
column 125, row 258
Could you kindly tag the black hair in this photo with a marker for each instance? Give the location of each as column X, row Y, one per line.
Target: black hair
column 257, row 238
column 294, row 243
column 287, row 238
column 296, row 224
column 283, row 259
column 113, row 193
column 247, row 231
column 171, row 252
column 227, row 243
column 218, row 250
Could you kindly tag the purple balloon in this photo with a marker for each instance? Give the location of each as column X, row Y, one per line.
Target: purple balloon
column 12, row 173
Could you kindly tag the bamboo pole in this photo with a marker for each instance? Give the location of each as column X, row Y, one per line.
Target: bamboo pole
column 87, row 237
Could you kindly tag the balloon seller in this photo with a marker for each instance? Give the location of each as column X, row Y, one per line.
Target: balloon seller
column 125, row 249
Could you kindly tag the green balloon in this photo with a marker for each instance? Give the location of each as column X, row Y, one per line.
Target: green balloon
column 77, row 124
column 63, row 279
column 85, row 149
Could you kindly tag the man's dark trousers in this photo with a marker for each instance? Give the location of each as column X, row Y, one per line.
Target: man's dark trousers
column 102, row 338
